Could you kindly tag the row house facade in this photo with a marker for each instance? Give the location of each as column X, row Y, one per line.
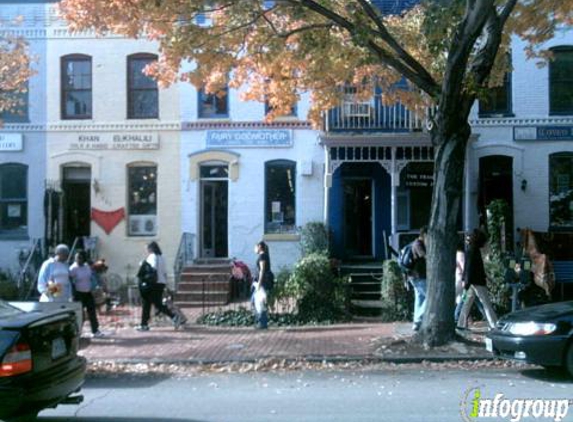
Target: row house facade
column 104, row 158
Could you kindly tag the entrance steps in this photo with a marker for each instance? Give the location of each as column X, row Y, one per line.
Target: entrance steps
column 205, row 283
column 365, row 286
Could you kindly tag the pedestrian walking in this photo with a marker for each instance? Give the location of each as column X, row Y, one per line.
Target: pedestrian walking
column 263, row 284
column 475, row 281
column 417, row 277
column 54, row 277
column 152, row 277
column 85, row 283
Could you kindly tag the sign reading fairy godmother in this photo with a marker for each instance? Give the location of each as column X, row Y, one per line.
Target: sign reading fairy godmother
column 115, row 141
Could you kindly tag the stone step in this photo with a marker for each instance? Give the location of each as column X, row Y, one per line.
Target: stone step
column 215, row 297
column 200, row 277
column 219, row 269
column 199, row 286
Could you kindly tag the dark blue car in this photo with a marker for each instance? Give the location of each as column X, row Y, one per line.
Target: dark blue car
column 541, row 335
column 39, row 365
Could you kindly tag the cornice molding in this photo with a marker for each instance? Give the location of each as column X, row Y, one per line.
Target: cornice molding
column 205, row 124
column 512, row 122
column 86, row 127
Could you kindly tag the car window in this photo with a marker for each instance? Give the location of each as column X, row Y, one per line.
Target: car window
column 7, row 310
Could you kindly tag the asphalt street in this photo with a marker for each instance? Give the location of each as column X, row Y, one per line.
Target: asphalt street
column 397, row 394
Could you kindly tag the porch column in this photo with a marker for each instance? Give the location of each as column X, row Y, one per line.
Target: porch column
column 395, row 182
column 327, row 184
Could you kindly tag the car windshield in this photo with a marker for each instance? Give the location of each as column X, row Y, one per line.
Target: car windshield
column 7, row 310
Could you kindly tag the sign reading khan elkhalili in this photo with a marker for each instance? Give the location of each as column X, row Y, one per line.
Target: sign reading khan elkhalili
column 115, row 141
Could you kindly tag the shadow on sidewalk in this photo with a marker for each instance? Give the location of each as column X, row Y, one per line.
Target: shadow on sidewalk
column 115, row 419
column 555, row 375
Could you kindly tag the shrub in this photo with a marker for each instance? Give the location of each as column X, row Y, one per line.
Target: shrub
column 494, row 262
column 8, row 286
column 279, row 298
column 319, row 295
column 314, row 239
column 396, row 299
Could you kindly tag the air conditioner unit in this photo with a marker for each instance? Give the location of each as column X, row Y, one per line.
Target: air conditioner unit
column 142, row 225
column 357, row 109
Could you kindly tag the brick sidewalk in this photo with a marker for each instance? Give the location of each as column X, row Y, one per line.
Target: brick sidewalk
column 198, row 343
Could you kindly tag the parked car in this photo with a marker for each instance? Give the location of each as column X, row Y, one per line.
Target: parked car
column 541, row 335
column 39, row 365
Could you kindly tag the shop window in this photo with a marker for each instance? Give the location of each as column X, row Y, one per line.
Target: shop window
column 280, row 191
column 497, row 101
column 214, row 105
column 19, row 113
column 561, row 191
column 561, row 81
column 13, row 200
column 142, row 92
column 142, row 201
column 415, row 195
column 76, row 87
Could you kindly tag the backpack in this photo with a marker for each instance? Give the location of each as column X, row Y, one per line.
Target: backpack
column 406, row 259
column 147, row 275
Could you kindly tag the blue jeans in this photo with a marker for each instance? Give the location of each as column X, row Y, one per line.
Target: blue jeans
column 419, row 285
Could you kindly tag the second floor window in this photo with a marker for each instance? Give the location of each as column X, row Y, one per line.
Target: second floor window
column 76, row 87
column 497, row 100
column 214, row 105
column 561, row 81
column 19, row 113
column 142, row 92
column 291, row 113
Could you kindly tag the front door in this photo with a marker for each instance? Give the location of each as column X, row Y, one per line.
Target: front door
column 358, row 218
column 214, row 218
column 77, row 203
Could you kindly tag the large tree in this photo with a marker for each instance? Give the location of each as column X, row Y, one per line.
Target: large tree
column 449, row 51
column 15, row 70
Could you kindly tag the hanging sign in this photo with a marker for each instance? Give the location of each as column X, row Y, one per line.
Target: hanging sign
column 419, row 180
column 543, row 133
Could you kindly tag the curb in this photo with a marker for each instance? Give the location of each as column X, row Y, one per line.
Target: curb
column 300, row 359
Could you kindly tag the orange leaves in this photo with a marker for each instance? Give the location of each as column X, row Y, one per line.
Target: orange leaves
column 15, row 70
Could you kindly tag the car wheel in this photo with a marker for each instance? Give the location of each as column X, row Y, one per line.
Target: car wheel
column 569, row 359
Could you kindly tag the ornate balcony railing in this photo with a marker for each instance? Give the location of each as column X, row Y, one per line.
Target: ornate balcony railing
column 358, row 116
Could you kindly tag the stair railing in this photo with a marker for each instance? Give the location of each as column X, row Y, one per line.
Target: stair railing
column 184, row 257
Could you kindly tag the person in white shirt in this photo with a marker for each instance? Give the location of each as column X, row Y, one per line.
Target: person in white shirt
column 82, row 278
column 152, row 293
column 54, row 277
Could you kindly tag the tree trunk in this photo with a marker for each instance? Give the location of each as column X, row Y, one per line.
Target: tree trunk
column 450, row 137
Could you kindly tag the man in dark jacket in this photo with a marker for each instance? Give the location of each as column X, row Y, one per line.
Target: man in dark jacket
column 475, row 281
column 417, row 278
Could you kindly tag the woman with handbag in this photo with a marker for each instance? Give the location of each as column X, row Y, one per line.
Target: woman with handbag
column 152, row 277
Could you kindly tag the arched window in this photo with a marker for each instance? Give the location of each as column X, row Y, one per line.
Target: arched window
column 280, row 196
column 142, row 199
column 561, row 81
column 561, row 190
column 142, row 92
column 76, row 74
column 13, row 199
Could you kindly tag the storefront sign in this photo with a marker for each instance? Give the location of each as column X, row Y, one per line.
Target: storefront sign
column 419, row 180
column 543, row 133
column 249, row 138
column 115, row 141
column 11, row 142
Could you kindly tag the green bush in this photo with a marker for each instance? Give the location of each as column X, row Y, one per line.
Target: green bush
column 396, row 300
column 8, row 286
column 319, row 295
column 314, row 239
column 278, row 299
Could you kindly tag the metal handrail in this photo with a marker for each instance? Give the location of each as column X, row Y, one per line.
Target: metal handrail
column 35, row 252
column 184, row 257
